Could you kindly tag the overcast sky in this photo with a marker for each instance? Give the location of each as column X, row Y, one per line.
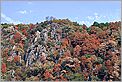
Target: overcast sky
column 81, row 11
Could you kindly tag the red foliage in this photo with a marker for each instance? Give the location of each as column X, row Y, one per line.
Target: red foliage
column 24, row 31
column 16, row 27
column 17, row 36
column 3, row 68
column 90, row 43
column 12, row 42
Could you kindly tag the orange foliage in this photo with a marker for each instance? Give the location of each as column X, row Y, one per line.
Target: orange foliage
column 55, row 53
column 67, row 53
column 47, row 74
column 98, row 67
column 16, row 59
column 77, row 35
column 65, row 43
column 77, row 50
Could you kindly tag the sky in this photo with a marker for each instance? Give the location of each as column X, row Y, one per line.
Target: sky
column 83, row 12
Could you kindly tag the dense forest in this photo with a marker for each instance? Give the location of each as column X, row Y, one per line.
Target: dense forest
column 61, row 50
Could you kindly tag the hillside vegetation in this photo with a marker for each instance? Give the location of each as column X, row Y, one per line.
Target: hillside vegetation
column 61, row 50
